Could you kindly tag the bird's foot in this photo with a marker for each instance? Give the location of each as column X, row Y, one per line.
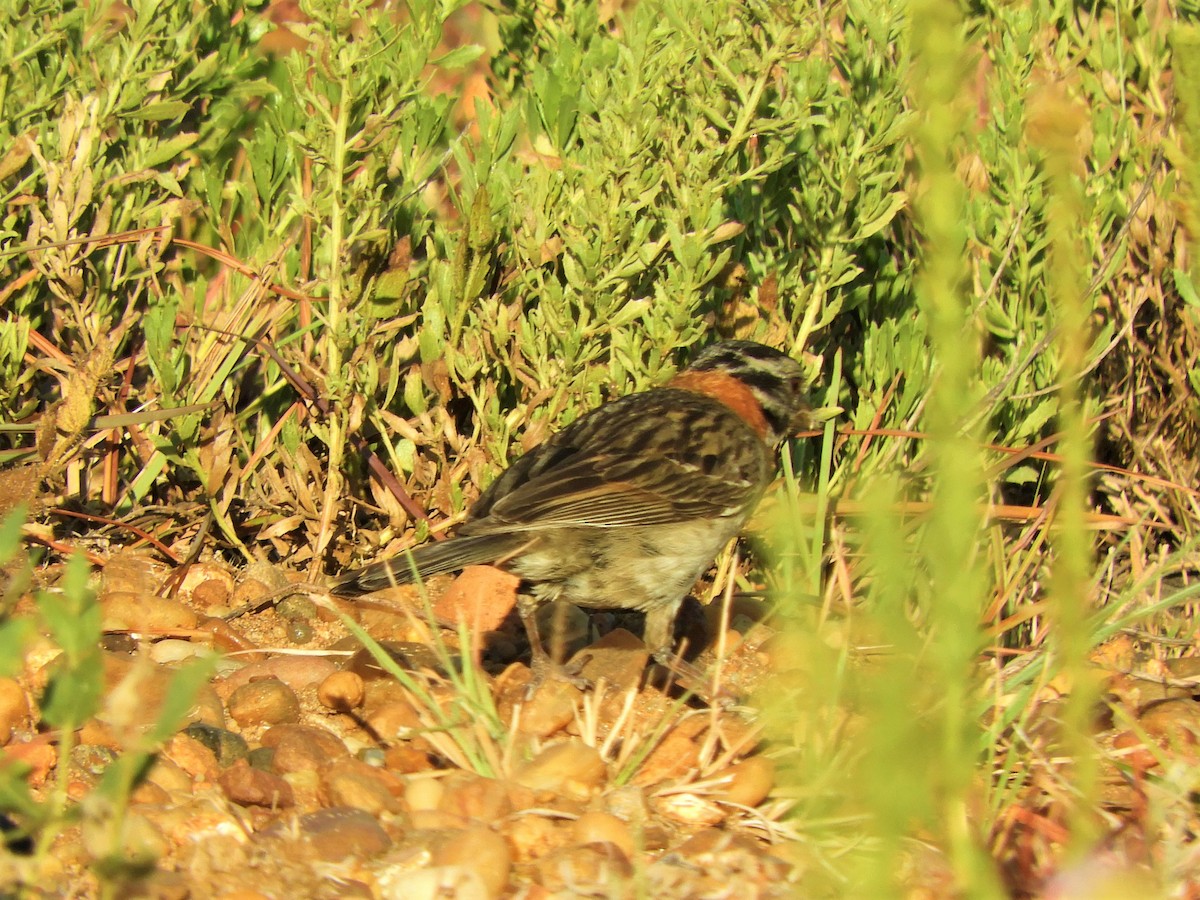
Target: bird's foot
column 693, row 680
column 545, row 669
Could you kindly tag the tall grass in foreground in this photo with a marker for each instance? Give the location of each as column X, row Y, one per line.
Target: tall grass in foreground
column 900, row 716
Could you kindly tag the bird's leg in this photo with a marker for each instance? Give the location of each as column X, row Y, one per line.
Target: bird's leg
column 658, row 635
column 541, row 663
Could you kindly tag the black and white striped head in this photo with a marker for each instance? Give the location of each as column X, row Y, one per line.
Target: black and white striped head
column 774, row 378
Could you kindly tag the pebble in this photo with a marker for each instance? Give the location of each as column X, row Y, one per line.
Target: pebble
column 423, row 793
column 137, row 845
column 565, row 869
column 342, row 691
column 475, row 797
column 14, row 709
column 341, row 832
column 264, row 702
column 144, row 613
column 38, row 754
column 396, row 721
column 171, row 651
column 594, row 827
column 750, row 781
column 206, row 585
column 619, row 659
column 480, row 850
column 406, row 758
column 297, row 672
column 481, row 596
column 569, row 768
column 192, row 757
column 532, row 836
column 147, row 792
column 302, row 747
column 262, row 758
column 352, row 783
column 690, row 809
column 169, row 775
column 249, row 591
column 212, row 596
column 296, row 607
column 254, row 787
column 134, row 691
column 375, row 757
column 88, row 762
column 136, row 571
column 676, row 754
column 226, row 746
column 401, row 882
column 551, row 709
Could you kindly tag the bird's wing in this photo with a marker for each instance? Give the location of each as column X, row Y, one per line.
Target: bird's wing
column 649, row 462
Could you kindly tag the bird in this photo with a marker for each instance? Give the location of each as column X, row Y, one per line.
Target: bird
column 627, row 506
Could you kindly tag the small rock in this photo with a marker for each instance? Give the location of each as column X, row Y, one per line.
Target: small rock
column 134, row 691
column 192, row 757
column 341, row 832
column 296, row 608
column 144, row 613
column 533, row 836
column 169, row 775
column 482, row 597
column 262, row 758
column 627, row 803
column 475, row 797
column 571, row 768
column 750, row 781
column 480, row 850
column 38, row 754
column 423, row 793
column 351, row 783
column 402, row 882
column 297, row 672
column 134, row 571
column 171, row 651
column 206, row 586
column 254, row 787
column 149, row 793
column 619, row 659
column 342, row 691
column 248, row 592
column 596, row 827
column 690, row 809
column 407, row 758
column 227, row 746
column 138, row 844
column 396, row 721
column 676, row 754
column 265, row 702
column 601, row 864
column 303, row 747
column 14, row 709
column 88, row 762
column 551, row 709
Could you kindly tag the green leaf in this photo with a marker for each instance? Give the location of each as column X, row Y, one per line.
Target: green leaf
column 163, row 111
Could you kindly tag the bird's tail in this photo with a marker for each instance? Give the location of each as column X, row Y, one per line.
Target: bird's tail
column 426, row 561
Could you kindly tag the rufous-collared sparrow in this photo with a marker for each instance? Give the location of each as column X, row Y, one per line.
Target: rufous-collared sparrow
column 626, row 507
